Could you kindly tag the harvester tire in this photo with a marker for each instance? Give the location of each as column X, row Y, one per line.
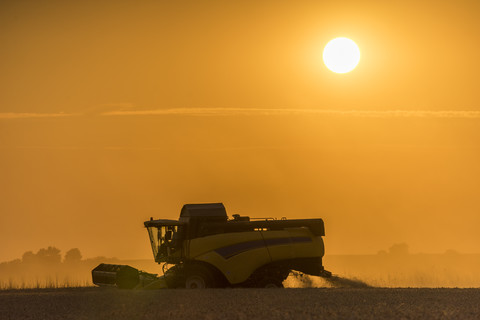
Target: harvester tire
column 270, row 283
column 199, row 277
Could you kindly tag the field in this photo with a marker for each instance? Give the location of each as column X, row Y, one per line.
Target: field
column 291, row 303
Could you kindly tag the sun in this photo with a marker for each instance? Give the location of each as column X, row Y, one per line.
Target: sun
column 341, row 55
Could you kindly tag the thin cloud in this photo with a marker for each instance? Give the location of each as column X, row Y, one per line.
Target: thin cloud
column 126, row 110
column 108, row 107
column 13, row 115
column 281, row 111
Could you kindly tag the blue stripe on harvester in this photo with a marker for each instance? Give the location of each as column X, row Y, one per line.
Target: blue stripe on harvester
column 237, row 248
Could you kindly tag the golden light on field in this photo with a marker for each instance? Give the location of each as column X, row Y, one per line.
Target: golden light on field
column 341, row 55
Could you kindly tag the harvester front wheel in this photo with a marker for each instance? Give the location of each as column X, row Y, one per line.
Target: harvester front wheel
column 270, row 283
column 199, row 277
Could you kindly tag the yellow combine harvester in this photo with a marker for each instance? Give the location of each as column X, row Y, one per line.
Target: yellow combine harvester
column 205, row 249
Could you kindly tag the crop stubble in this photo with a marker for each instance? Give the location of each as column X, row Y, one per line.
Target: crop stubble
column 298, row 303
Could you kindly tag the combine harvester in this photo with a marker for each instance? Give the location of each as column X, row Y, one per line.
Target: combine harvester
column 205, row 249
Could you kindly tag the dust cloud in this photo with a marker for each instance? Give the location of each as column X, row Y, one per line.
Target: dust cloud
column 340, row 282
column 396, row 267
column 300, row 280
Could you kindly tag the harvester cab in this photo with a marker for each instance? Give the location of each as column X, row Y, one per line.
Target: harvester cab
column 166, row 238
column 206, row 249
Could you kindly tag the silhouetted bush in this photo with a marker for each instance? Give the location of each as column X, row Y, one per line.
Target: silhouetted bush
column 49, row 256
column 73, row 256
column 399, row 249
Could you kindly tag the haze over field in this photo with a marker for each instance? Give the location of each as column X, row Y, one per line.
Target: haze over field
column 114, row 112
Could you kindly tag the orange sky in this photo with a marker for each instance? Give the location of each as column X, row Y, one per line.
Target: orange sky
column 114, row 111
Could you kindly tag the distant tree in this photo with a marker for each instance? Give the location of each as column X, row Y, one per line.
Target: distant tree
column 451, row 252
column 382, row 253
column 398, row 249
column 73, row 256
column 51, row 255
column 29, row 257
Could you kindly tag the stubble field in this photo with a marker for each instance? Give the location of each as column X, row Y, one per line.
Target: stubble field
column 291, row 303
